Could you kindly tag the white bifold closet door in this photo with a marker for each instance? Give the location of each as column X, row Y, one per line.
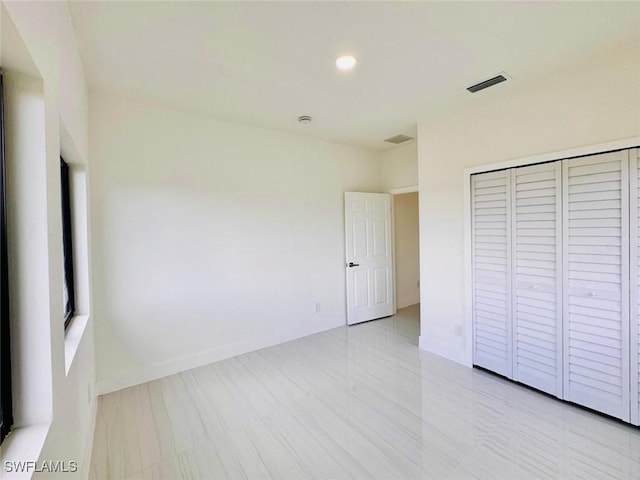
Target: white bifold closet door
column 491, row 230
column 596, row 282
column 537, row 276
column 634, row 263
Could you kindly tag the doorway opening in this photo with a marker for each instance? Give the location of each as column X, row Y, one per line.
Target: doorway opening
column 407, row 263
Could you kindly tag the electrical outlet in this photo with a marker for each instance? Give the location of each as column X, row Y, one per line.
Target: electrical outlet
column 317, row 308
column 458, row 330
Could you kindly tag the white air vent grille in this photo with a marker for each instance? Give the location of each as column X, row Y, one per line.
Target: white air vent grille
column 398, row 139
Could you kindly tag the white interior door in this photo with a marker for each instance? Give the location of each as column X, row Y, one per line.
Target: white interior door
column 596, row 282
column 491, row 227
column 369, row 252
column 634, row 263
column 537, row 276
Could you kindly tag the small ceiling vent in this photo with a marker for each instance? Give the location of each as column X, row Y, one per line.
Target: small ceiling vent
column 398, row 139
column 488, row 83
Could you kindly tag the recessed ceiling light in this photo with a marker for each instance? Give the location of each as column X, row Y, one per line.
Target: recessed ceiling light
column 346, row 62
column 304, row 119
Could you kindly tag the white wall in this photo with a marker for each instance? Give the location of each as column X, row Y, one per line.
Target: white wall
column 210, row 238
column 400, row 166
column 53, row 374
column 407, row 249
column 596, row 104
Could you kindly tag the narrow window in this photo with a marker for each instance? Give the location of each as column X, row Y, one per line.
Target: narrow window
column 6, row 412
column 67, row 244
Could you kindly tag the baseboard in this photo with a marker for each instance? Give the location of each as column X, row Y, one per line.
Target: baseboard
column 408, row 303
column 170, row 367
column 454, row 354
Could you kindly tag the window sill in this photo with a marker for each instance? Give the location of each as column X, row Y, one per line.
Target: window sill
column 23, row 444
column 73, row 336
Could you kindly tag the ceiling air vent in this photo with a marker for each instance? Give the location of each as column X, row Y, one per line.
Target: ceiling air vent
column 488, row 83
column 398, row 139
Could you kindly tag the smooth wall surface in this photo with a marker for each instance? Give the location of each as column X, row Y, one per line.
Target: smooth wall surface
column 46, row 115
column 407, row 249
column 400, row 166
column 597, row 104
column 211, row 238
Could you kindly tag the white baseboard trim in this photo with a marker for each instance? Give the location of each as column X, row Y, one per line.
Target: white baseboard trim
column 454, row 354
column 155, row 371
column 408, row 303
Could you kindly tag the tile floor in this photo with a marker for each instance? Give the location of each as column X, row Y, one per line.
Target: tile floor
column 359, row 402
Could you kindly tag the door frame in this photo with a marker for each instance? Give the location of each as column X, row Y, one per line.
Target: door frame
column 401, row 190
column 393, row 192
column 467, row 355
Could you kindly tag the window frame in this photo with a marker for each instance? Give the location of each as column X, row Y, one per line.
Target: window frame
column 6, row 402
column 67, row 242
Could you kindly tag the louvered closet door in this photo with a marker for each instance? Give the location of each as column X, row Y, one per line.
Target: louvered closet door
column 537, row 276
column 634, row 263
column 491, row 271
column 596, row 282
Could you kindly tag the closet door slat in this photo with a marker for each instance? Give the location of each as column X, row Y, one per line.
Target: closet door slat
column 491, row 257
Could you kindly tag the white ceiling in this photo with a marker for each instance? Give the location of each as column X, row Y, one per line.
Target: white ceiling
column 266, row 63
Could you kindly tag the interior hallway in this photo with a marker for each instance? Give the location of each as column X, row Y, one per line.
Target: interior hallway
column 352, row 402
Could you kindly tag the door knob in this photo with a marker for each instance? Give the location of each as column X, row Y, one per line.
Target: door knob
column 351, row 264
